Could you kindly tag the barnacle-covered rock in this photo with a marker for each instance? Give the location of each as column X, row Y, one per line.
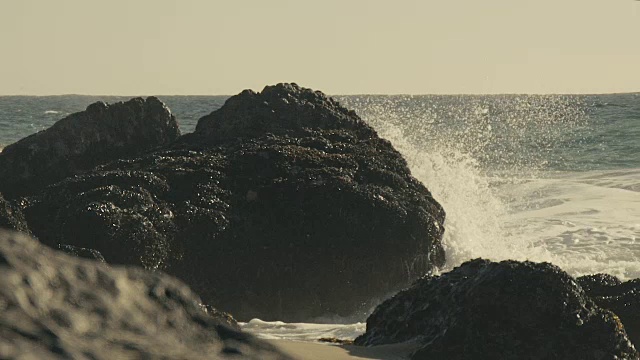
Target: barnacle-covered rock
column 282, row 205
column 83, row 140
column 623, row 298
column 499, row 310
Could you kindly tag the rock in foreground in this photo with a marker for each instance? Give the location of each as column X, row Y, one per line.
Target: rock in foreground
column 283, row 205
column 623, row 298
column 83, row 140
column 55, row 306
column 506, row 310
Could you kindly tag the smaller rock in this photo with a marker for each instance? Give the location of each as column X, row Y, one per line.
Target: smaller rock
column 505, row 310
column 81, row 141
column 599, row 284
column 222, row 317
column 623, row 298
column 333, row 340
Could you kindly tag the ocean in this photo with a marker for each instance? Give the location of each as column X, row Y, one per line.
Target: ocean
column 528, row 177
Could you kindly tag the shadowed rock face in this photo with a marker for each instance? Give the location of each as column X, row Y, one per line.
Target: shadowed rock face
column 506, row 310
column 55, row 306
column 83, row 140
column 623, row 298
column 283, row 205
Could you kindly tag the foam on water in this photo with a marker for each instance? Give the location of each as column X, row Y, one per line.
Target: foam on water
column 587, row 222
column 277, row 330
column 513, row 206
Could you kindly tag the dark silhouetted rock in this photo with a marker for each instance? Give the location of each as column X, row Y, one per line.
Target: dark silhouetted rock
column 505, row 310
column 599, row 284
column 83, row 140
column 279, row 109
column 81, row 252
column 55, row 306
column 304, row 212
column 623, row 298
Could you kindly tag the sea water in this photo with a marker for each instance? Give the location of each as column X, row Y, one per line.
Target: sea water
column 529, row 177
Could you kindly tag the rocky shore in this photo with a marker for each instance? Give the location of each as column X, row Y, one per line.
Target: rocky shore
column 282, row 205
column 504, row 310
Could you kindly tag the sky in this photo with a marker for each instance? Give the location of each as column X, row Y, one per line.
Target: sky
column 212, row 47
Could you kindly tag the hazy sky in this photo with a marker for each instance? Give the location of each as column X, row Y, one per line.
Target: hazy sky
column 143, row 47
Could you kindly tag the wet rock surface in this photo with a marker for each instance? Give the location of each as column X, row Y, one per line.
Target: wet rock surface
column 83, row 140
column 57, row 306
column 221, row 316
column 11, row 216
column 282, row 206
column 279, row 109
column 81, row 252
column 623, row 298
column 505, row 310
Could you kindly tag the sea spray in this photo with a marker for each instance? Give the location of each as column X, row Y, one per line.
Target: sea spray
column 473, row 210
column 276, row 330
column 490, row 162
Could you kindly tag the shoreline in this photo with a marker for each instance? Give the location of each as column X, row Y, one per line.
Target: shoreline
column 322, row 351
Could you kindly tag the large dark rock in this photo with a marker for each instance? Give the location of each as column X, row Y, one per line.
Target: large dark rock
column 304, row 212
column 56, row 306
column 83, row 140
column 623, row 298
column 505, row 310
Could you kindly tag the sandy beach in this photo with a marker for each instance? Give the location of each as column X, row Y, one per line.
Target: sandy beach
column 317, row 351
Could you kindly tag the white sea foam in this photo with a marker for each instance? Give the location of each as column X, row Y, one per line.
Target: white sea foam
column 276, row 330
column 584, row 222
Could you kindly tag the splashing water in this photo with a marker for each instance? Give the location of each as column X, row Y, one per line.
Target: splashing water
column 510, row 174
column 278, row 330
